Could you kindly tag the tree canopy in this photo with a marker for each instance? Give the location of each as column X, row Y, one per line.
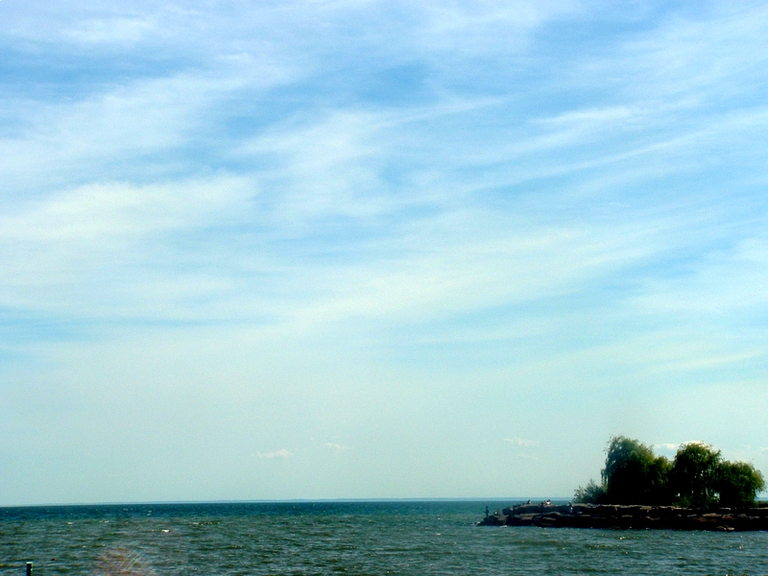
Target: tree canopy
column 738, row 483
column 693, row 475
column 633, row 474
column 698, row 477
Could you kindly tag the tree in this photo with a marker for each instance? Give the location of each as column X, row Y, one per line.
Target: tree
column 738, row 484
column 698, row 477
column 658, row 489
column 633, row 474
column 590, row 494
column 693, row 475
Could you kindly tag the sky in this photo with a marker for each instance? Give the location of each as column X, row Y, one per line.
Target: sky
column 319, row 249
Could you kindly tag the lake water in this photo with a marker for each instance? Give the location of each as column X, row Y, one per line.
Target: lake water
column 356, row 538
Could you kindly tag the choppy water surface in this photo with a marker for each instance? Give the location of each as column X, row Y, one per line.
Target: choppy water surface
column 361, row 538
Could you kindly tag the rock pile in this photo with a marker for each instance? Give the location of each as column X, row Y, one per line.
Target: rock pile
column 628, row 517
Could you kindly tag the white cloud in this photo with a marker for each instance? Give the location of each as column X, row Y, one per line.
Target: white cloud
column 280, row 454
column 485, row 27
column 694, row 443
column 336, row 447
column 328, row 227
column 327, row 168
column 128, row 131
column 728, row 281
column 684, row 57
column 522, row 442
column 55, row 248
column 527, row 457
column 98, row 214
column 120, row 31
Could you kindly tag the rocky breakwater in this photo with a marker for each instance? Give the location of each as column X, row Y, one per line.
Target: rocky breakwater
column 628, row 517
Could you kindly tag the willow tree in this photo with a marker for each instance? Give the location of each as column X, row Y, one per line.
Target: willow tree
column 633, row 474
column 694, row 473
column 738, row 484
column 697, row 478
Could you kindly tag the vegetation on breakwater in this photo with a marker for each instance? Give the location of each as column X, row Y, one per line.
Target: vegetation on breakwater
column 548, row 515
column 697, row 490
column 698, row 477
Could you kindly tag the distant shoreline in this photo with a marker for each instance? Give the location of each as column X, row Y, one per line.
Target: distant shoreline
column 479, row 500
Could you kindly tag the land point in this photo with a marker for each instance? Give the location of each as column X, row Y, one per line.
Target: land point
column 548, row 515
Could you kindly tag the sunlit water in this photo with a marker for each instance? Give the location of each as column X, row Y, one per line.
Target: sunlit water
column 358, row 538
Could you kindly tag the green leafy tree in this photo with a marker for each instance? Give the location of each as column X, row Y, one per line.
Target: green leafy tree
column 694, row 473
column 633, row 474
column 590, row 494
column 658, row 490
column 738, row 484
column 697, row 478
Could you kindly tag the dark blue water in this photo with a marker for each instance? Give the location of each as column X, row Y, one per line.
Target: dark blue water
column 360, row 538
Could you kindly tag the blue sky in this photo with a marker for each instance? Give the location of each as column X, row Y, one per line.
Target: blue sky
column 362, row 249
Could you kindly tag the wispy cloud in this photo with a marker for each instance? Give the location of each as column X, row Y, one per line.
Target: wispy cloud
column 522, row 442
column 335, row 447
column 121, row 31
column 349, row 202
column 280, row 454
column 524, row 456
column 52, row 247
